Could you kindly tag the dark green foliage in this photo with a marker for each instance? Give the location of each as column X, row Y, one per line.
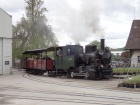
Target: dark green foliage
column 95, row 42
column 125, row 70
column 132, row 80
column 118, row 49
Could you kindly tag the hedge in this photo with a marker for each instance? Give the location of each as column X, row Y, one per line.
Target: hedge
column 130, row 70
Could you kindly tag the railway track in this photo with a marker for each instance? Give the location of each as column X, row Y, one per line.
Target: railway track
column 35, row 78
column 52, row 95
column 124, row 99
column 81, row 98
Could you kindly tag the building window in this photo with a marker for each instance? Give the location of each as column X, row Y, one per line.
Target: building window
column 138, row 58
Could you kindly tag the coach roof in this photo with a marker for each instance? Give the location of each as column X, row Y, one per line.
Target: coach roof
column 36, row 51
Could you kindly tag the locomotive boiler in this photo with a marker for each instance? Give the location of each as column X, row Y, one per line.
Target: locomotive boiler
column 94, row 63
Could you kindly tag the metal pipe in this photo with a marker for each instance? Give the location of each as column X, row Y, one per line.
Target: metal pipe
column 102, row 44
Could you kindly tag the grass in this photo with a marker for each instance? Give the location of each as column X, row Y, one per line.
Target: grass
column 130, row 70
column 126, row 69
column 132, row 80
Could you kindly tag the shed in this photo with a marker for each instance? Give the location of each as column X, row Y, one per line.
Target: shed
column 133, row 43
column 5, row 42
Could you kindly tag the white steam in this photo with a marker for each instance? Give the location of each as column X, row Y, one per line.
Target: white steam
column 85, row 22
column 79, row 24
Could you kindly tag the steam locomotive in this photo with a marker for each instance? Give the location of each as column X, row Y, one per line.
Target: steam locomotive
column 94, row 63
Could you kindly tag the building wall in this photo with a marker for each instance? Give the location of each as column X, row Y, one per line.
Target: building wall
column 5, row 42
column 5, row 24
column 1, row 56
column 134, row 58
column 7, row 55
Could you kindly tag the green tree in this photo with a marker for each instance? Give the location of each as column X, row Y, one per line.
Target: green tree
column 31, row 32
column 95, row 42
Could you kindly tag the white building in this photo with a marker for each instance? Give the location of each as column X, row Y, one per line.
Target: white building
column 5, row 42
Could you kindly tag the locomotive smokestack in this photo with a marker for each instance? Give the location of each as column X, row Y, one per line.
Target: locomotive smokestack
column 102, row 44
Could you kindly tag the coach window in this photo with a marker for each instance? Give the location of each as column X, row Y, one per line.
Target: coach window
column 138, row 58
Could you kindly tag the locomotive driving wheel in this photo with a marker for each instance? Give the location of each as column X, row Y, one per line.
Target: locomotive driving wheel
column 68, row 73
column 93, row 76
column 100, row 75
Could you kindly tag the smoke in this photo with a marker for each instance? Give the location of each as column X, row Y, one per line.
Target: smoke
column 91, row 12
column 86, row 22
column 79, row 24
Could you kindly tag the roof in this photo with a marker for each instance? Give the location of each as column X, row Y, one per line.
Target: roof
column 133, row 41
column 37, row 51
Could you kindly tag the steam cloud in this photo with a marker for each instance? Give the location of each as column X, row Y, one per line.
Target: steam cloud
column 86, row 22
column 79, row 24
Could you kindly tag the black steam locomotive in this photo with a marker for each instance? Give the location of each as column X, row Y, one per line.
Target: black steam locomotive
column 95, row 63
column 71, row 61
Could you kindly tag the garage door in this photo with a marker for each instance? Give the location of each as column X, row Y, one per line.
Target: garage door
column 0, row 56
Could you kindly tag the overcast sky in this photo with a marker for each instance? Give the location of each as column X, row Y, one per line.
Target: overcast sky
column 84, row 20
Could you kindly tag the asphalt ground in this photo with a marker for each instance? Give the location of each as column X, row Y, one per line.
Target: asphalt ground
column 21, row 88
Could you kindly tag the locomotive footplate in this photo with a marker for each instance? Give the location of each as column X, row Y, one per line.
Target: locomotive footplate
column 108, row 76
column 77, row 74
column 90, row 74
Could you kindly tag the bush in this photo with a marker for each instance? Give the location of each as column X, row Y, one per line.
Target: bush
column 130, row 70
column 132, row 80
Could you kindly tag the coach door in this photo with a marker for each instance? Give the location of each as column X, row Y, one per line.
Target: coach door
column 59, row 57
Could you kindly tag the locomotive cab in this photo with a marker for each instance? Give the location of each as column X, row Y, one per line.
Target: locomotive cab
column 69, row 57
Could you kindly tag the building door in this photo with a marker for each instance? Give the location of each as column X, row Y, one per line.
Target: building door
column 1, row 56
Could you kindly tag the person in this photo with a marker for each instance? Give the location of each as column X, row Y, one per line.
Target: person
column 37, row 56
column 59, row 52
